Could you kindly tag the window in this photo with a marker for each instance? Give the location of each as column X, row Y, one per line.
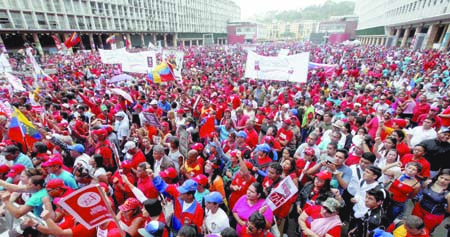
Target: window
column 42, row 23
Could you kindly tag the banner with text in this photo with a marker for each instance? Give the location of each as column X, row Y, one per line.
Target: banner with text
column 292, row 68
column 285, row 190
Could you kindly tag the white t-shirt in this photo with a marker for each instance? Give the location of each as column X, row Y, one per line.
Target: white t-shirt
column 216, row 222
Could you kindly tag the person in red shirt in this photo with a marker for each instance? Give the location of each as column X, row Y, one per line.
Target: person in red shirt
column 364, row 98
column 252, row 135
column 285, row 135
column 348, row 102
column 417, row 156
column 121, row 191
column 103, row 147
column 421, row 108
column 433, row 114
column 144, row 182
column 255, row 227
column 134, row 154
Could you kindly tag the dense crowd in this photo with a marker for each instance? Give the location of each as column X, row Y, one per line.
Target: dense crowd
column 361, row 142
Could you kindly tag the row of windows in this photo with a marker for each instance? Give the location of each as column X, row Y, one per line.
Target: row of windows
column 413, row 6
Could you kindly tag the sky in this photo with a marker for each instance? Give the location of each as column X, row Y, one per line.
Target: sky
column 251, row 7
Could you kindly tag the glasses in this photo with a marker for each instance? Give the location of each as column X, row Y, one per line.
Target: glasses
column 327, row 210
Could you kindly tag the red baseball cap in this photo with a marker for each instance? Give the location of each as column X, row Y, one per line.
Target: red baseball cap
column 309, row 151
column 56, row 183
column 198, row 147
column 201, row 179
column 168, row 173
column 53, row 161
column 15, row 170
column 4, row 169
column 324, row 175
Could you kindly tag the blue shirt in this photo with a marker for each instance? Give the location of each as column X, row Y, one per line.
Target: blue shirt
column 35, row 201
column 67, row 178
column 223, row 133
column 24, row 160
column 164, row 106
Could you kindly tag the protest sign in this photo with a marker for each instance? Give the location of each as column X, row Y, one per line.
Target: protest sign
column 184, row 140
column 88, row 206
column 292, row 68
column 285, row 190
column 152, row 119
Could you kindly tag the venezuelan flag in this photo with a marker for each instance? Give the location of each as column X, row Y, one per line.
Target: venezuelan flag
column 22, row 130
column 162, row 72
column 73, row 40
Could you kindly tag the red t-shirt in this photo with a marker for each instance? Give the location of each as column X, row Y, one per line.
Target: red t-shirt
column 425, row 164
column 352, row 159
column 137, row 158
column 80, row 230
column 285, row 135
column 252, row 138
column 245, row 234
column 147, row 187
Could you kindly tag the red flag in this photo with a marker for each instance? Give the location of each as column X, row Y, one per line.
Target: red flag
column 57, row 42
column 72, row 40
column 207, row 128
column 127, row 43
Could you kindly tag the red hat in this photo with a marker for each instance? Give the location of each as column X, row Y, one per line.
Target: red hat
column 249, row 165
column 126, row 164
column 100, row 132
column 328, row 103
column 15, row 170
column 56, row 183
column 287, row 121
column 165, row 124
column 201, row 179
column 109, row 129
column 435, row 108
column 180, row 111
column 324, row 175
column 168, row 173
column 4, row 169
column 309, row 151
column 400, row 122
column 268, row 139
column 58, row 118
column 198, row 147
column 137, row 106
column 130, row 203
column 233, row 153
column 162, row 97
column 53, row 161
column 350, row 94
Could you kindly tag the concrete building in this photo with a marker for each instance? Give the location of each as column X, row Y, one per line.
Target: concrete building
column 417, row 24
column 170, row 22
column 292, row 30
column 242, row 32
column 336, row 30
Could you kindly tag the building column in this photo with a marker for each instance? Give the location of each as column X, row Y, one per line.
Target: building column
column 397, row 37
column 154, row 38
column 165, row 40
column 38, row 43
column 91, row 41
column 198, row 42
column 101, row 41
column 175, row 39
column 405, row 37
column 431, row 34
column 444, row 43
column 190, row 42
column 142, row 40
column 2, row 45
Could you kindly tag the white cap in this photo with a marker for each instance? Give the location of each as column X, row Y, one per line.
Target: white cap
column 153, row 102
column 129, row 145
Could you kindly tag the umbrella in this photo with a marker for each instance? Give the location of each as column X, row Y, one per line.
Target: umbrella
column 121, row 92
column 119, row 78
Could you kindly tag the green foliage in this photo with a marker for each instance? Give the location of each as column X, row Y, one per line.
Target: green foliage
column 314, row 12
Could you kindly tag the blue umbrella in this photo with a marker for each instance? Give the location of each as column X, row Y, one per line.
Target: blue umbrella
column 119, row 78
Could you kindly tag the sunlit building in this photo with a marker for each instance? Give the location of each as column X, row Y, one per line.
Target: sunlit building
column 165, row 22
column 405, row 23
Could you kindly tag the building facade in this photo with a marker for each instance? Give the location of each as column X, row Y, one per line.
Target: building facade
column 242, row 32
column 292, row 30
column 169, row 22
column 417, row 24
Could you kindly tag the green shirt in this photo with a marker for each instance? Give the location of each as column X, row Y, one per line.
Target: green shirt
column 36, row 201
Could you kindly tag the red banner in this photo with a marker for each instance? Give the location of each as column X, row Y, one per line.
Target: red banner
column 88, row 206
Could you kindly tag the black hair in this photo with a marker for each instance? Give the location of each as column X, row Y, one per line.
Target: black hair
column 441, row 172
column 98, row 160
column 343, row 151
column 278, row 168
column 153, row 206
column 259, row 189
column 258, row 220
column 228, row 232
column 400, row 134
column 188, row 231
column 375, row 170
column 40, row 147
column 369, row 156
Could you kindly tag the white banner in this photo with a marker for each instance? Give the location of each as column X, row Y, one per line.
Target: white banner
column 284, row 191
column 142, row 62
column 114, row 56
column 283, row 52
column 288, row 68
column 5, row 66
column 179, row 56
column 15, row 82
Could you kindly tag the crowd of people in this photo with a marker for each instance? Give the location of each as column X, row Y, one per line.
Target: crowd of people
column 361, row 142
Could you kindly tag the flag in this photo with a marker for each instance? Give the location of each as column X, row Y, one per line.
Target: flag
column 127, row 42
column 21, row 130
column 72, row 40
column 5, row 110
column 207, row 127
column 162, row 72
column 111, row 39
column 57, row 42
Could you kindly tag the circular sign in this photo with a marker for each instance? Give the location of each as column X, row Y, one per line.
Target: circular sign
column 88, row 199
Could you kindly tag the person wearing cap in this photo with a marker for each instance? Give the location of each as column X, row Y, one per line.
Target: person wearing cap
column 130, row 216
column 13, row 176
column 202, row 188
column 4, row 170
column 133, row 154
column 121, row 190
column 12, row 153
column 153, row 229
column 241, row 145
column 241, row 180
column 144, row 182
column 322, row 220
column 54, row 168
column 421, row 133
column 57, row 189
column 309, row 143
column 216, row 219
column 285, row 135
column 337, row 127
column 104, row 148
column 241, row 119
column 122, row 128
column 187, row 210
column 81, row 158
